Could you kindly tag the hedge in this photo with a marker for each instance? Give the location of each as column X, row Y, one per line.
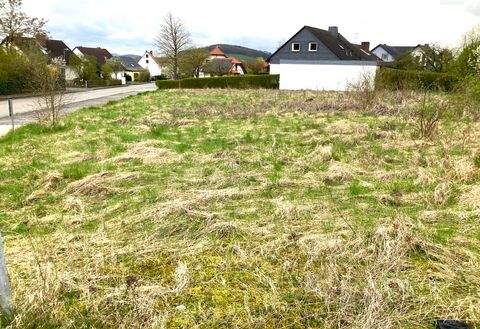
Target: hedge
column 232, row 82
column 103, row 83
column 393, row 79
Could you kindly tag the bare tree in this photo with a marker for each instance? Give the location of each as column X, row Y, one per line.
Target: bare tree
column 172, row 39
column 14, row 23
column 49, row 83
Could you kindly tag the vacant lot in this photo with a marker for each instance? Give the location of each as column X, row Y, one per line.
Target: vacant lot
column 250, row 209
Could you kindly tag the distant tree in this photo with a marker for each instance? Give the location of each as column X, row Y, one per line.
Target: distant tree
column 14, row 23
column 429, row 57
column 111, row 66
column 86, row 67
column 172, row 39
column 436, row 58
column 107, row 71
column 256, row 66
column 217, row 67
column 191, row 62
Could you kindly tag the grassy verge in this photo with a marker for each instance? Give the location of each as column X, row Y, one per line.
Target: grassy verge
column 244, row 209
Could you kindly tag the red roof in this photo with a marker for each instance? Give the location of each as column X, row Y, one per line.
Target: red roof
column 234, row 60
column 217, row 52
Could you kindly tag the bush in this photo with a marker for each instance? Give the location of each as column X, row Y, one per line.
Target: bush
column 103, row 83
column 233, row 82
column 143, row 76
column 160, row 77
column 392, row 79
column 168, row 84
column 15, row 75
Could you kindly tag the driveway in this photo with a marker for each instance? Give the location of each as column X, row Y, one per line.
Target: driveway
column 24, row 107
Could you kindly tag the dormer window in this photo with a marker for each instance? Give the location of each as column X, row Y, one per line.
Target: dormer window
column 312, row 46
column 295, row 47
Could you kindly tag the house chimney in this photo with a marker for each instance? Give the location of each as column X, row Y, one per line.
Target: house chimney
column 365, row 46
column 333, row 30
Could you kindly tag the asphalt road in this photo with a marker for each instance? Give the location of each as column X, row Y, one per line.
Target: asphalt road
column 24, row 107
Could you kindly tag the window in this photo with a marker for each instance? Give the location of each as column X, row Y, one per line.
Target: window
column 146, row 61
column 146, row 55
column 384, row 57
column 312, row 46
column 295, row 46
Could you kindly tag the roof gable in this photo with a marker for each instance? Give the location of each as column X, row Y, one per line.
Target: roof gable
column 336, row 44
column 217, row 52
column 101, row 54
column 396, row 51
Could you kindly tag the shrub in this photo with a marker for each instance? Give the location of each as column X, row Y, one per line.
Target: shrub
column 15, row 75
column 143, row 76
column 363, row 90
column 168, row 84
column 103, row 83
column 161, row 77
column 392, row 79
column 428, row 114
column 233, row 82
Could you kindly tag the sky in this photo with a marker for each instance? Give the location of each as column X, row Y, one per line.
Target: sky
column 129, row 27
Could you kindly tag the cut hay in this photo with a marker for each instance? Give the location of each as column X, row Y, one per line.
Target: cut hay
column 47, row 185
column 362, row 296
column 149, row 154
column 321, row 154
column 337, row 173
column 99, row 184
column 471, row 197
column 442, row 193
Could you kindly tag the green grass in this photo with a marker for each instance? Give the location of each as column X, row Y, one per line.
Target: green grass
column 249, row 209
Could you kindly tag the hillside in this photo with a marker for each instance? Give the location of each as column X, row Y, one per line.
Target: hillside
column 242, row 53
column 243, row 209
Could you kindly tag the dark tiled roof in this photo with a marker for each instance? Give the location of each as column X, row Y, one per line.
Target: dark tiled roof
column 337, row 44
column 57, row 48
column 340, row 46
column 101, row 54
column 129, row 63
column 52, row 48
column 397, row 51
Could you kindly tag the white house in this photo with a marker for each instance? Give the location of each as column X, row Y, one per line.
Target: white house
column 391, row 53
column 321, row 60
column 152, row 63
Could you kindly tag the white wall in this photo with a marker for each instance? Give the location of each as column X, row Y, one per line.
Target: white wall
column 314, row 76
column 152, row 66
column 383, row 54
column 70, row 74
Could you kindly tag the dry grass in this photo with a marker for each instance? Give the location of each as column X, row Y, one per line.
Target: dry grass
column 242, row 209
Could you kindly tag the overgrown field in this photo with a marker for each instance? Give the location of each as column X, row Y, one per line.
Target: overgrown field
column 243, row 209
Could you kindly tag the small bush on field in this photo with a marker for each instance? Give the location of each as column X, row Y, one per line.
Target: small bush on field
column 428, row 114
column 363, row 90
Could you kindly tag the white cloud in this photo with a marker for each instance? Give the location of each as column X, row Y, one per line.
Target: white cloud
column 126, row 26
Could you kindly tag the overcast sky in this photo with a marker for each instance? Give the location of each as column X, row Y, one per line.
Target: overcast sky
column 129, row 26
